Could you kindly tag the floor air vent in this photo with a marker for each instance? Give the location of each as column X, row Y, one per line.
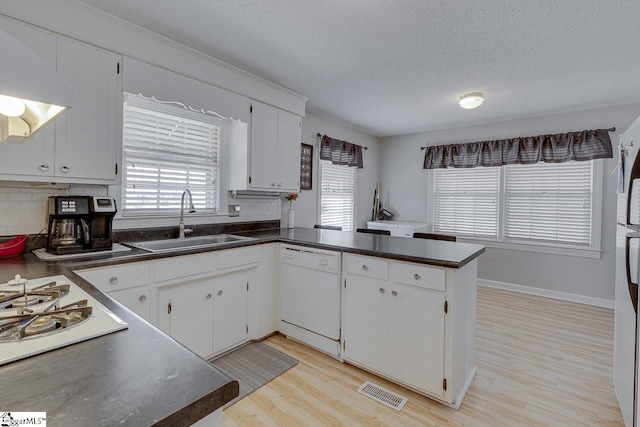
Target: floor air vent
column 382, row 395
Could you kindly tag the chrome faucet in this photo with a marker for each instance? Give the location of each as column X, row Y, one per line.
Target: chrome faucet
column 192, row 209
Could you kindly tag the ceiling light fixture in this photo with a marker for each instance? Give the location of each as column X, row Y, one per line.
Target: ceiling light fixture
column 471, row 100
column 10, row 106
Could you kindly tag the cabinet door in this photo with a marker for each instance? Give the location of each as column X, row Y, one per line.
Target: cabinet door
column 415, row 333
column 186, row 313
column 230, row 310
column 264, row 147
column 364, row 321
column 35, row 156
column 135, row 299
column 86, row 135
column 289, row 136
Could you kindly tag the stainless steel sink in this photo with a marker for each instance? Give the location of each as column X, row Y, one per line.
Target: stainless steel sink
column 187, row 243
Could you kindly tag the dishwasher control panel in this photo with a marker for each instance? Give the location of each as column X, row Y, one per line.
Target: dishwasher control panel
column 311, row 258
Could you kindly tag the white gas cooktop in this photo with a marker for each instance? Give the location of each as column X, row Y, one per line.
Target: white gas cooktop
column 55, row 312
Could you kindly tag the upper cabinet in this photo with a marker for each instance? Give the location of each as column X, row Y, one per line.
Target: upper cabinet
column 80, row 146
column 86, row 136
column 271, row 161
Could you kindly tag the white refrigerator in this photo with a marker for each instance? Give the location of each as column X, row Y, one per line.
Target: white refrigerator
column 626, row 339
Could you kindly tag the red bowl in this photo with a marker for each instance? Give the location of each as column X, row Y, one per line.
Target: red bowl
column 14, row 246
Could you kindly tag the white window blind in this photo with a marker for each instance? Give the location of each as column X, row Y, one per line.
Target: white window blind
column 466, row 201
column 337, row 195
column 167, row 149
column 549, row 202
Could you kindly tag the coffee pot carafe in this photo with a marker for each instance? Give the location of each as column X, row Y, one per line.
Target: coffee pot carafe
column 69, row 231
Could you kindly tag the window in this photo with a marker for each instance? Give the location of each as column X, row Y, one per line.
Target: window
column 545, row 203
column 337, row 195
column 466, row 201
column 167, row 149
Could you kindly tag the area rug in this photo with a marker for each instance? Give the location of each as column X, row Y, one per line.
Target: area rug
column 253, row 365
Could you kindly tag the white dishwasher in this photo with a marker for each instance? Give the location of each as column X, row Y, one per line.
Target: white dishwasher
column 310, row 297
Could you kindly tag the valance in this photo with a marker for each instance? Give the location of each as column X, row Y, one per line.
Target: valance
column 341, row 152
column 557, row 148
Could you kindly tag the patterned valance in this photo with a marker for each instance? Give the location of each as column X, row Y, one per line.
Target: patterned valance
column 341, row 152
column 558, row 148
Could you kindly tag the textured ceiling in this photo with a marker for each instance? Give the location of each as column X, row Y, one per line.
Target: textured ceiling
column 396, row 67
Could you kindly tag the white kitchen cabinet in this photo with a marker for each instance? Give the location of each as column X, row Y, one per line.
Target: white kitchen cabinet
column 411, row 323
column 364, row 323
column 129, row 284
column 80, row 146
column 87, row 135
column 230, row 311
column 415, row 337
column 263, row 294
column 273, row 162
column 185, row 312
column 35, row 156
column 206, row 315
column 203, row 299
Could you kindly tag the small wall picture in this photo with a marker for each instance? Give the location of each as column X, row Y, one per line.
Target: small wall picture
column 306, row 162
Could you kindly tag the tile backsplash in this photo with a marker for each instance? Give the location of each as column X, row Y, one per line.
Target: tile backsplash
column 23, row 206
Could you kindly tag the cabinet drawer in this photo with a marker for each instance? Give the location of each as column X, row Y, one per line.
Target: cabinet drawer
column 367, row 266
column 185, row 266
column 238, row 257
column 109, row 279
column 418, row 275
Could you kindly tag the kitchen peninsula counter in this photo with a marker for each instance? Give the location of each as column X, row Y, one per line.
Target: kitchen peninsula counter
column 135, row 377
column 422, row 251
column 141, row 376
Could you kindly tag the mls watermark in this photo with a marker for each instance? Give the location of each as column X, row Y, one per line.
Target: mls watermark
column 23, row 419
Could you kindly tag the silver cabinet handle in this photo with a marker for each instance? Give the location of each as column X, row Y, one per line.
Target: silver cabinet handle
column 279, row 184
column 381, row 290
column 142, row 298
column 416, row 276
column 44, row 168
column 273, row 184
column 209, row 296
column 394, row 293
column 65, row 169
column 364, row 267
column 113, row 280
column 219, row 293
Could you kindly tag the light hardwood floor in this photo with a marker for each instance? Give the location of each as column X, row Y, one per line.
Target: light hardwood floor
column 541, row 362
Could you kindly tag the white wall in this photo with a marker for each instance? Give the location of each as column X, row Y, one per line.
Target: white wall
column 306, row 207
column 404, row 186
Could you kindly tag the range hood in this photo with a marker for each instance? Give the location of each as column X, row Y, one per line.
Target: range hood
column 32, row 93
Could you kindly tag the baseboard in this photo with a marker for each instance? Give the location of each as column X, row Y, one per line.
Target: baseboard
column 564, row 296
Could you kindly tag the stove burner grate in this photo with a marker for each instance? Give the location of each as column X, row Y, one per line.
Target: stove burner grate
column 51, row 320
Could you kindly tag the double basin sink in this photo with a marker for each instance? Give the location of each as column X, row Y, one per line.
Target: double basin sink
column 170, row 245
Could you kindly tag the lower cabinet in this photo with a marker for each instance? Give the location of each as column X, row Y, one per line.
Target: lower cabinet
column 413, row 324
column 128, row 284
column 396, row 330
column 207, row 316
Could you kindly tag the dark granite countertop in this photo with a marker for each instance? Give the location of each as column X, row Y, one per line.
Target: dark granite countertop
column 141, row 376
column 135, row 377
column 422, row 251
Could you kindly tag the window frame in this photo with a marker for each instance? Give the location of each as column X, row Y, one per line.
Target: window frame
column 169, row 217
column 592, row 251
column 355, row 192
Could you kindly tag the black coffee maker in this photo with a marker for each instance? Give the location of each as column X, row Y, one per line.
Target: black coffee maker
column 80, row 224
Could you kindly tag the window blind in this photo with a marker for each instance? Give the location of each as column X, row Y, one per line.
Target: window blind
column 337, row 195
column 466, row 201
column 549, row 202
column 167, row 149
